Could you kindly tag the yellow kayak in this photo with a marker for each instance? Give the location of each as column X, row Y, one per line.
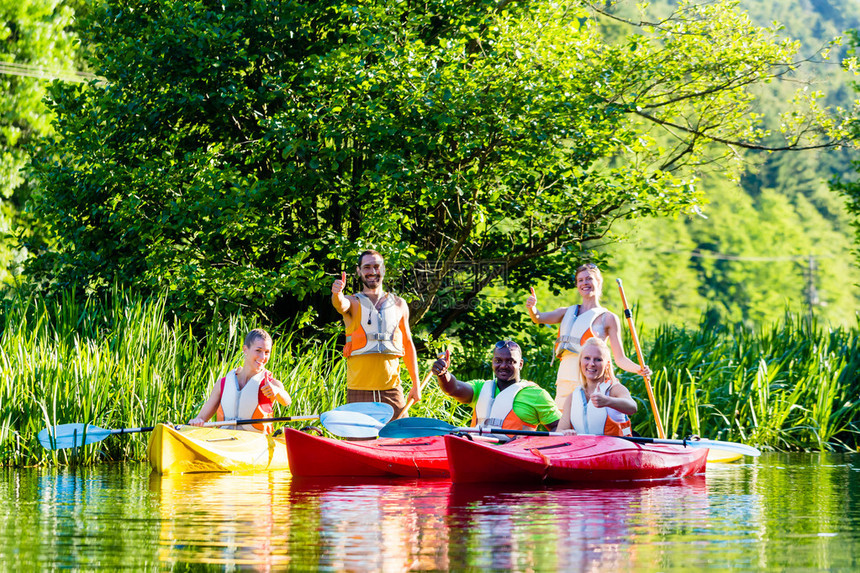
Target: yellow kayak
column 200, row 449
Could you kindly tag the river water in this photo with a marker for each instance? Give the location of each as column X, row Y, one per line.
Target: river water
column 780, row 512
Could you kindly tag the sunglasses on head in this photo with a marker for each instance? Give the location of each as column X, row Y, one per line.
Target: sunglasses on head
column 509, row 344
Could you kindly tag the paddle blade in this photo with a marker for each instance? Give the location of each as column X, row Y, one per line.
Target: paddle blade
column 71, row 436
column 716, row 456
column 350, row 424
column 379, row 411
column 415, row 428
column 730, row 446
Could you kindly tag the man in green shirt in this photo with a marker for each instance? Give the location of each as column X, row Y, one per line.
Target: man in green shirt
column 507, row 401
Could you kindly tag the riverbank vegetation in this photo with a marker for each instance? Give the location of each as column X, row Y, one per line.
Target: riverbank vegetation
column 126, row 364
column 229, row 160
column 238, row 158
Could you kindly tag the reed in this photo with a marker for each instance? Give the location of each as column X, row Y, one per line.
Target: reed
column 124, row 362
column 789, row 386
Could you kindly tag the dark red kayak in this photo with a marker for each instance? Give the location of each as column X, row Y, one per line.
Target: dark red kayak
column 570, row 459
column 315, row 456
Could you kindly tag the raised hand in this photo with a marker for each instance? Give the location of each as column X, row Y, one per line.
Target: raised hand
column 338, row 285
column 442, row 363
column 531, row 301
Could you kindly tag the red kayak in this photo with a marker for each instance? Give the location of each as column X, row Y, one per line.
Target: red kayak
column 570, row 459
column 315, row 456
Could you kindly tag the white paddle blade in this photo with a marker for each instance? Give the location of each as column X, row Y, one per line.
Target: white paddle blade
column 350, row 424
column 379, row 411
column 731, row 447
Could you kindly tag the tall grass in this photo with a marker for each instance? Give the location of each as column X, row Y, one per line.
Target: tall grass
column 124, row 363
column 791, row 386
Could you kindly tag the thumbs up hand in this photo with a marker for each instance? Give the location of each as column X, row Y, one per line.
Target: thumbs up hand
column 442, row 363
column 531, row 301
column 338, row 285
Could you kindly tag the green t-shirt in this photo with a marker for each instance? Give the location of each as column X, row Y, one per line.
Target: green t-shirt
column 532, row 404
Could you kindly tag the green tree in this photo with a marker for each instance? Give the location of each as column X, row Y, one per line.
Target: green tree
column 849, row 187
column 36, row 46
column 240, row 153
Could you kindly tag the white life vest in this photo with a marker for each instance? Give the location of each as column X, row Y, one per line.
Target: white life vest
column 498, row 411
column 377, row 330
column 576, row 328
column 586, row 418
column 241, row 404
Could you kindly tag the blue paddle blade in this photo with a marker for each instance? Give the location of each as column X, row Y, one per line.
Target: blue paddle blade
column 71, row 436
column 415, row 428
column 379, row 411
column 350, row 424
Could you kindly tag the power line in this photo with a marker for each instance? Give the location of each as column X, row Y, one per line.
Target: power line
column 13, row 69
column 698, row 253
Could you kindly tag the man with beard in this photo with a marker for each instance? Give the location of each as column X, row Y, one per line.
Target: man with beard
column 377, row 336
column 505, row 402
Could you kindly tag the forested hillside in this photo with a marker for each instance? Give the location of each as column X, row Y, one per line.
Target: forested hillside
column 776, row 239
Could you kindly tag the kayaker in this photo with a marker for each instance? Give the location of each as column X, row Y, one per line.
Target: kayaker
column 377, row 337
column 506, row 401
column 248, row 392
column 578, row 323
column 601, row 405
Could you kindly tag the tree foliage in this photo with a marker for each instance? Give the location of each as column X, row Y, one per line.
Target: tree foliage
column 35, row 44
column 239, row 154
column 774, row 239
column 849, row 187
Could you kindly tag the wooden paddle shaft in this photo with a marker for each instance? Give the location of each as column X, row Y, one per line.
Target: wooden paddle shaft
column 638, row 348
column 423, row 384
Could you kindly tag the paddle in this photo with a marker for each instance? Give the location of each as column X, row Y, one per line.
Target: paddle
column 351, row 424
column 632, row 326
column 447, row 355
column 356, row 425
column 425, row 427
column 77, row 435
column 423, row 383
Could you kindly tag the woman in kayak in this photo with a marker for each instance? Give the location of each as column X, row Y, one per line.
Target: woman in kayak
column 601, row 405
column 248, row 392
column 578, row 323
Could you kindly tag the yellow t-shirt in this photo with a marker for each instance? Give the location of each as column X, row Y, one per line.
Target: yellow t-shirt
column 372, row 372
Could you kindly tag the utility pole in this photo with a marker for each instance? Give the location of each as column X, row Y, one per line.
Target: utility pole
column 810, row 292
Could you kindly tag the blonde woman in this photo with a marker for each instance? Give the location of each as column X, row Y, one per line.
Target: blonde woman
column 601, row 405
column 577, row 324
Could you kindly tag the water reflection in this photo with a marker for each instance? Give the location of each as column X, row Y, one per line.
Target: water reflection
column 233, row 519
column 375, row 526
column 782, row 512
column 436, row 525
column 563, row 528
